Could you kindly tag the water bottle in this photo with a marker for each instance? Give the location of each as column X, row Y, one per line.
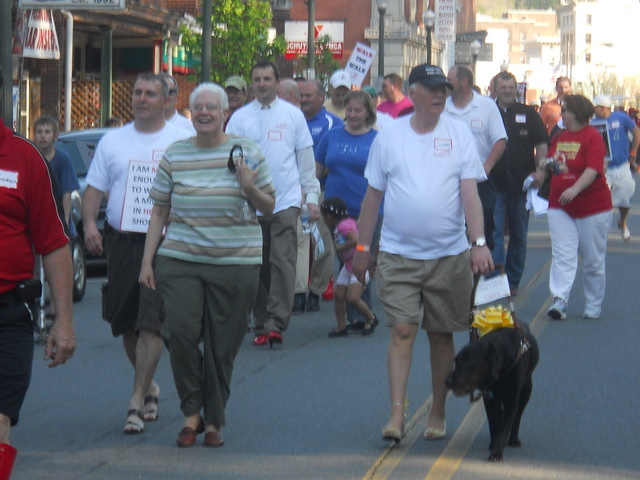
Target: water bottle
column 304, row 219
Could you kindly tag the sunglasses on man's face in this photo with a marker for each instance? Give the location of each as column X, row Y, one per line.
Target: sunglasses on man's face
column 236, row 154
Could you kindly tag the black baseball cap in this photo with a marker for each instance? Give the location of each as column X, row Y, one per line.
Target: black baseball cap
column 429, row 75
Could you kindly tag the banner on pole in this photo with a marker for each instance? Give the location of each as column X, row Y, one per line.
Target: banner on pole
column 35, row 35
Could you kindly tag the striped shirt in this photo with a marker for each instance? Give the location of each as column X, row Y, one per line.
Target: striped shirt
column 210, row 222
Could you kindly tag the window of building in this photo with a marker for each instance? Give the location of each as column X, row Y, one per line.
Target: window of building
column 588, row 19
column 587, row 39
column 587, row 58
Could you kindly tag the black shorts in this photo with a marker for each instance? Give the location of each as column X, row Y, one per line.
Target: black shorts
column 127, row 305
column 16, row 357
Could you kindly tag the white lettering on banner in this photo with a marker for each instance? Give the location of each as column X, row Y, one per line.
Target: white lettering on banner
column 137, row 207
column 41, row 40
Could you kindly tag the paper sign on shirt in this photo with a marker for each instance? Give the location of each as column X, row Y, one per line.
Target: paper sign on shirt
column 137, row 207
column 359, row 63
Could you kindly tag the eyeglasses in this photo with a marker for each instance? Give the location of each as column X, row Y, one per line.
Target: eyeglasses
column 209, row 107
column 563, row 110
column 173, row 91
column 236, row 152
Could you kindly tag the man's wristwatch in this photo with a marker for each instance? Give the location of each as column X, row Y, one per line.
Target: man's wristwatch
column 479, row 242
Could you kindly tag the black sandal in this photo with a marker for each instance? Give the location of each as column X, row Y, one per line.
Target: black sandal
column 138, row 427
column 339, row 333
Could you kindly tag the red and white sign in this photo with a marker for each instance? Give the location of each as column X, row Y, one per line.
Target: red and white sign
column 296, row 33
column 36, row 35
column 359, row 63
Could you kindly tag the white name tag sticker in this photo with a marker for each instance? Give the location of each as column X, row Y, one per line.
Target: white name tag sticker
column 8, row 179
column 521, row 118
column 442, row 144
column 476, row 124
column 274, row 135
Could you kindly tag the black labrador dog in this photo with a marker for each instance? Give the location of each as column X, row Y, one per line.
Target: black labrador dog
column 499, row 365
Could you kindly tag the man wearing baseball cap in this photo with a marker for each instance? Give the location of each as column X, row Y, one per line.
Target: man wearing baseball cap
column 621, row 160
column 236, row 90
column 426, row 167
column 339, row 86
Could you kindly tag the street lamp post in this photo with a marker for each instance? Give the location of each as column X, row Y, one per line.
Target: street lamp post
column 382, row 9
column 429, row 19
column 475, row 50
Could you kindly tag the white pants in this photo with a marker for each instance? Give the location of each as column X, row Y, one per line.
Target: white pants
column 571, row 237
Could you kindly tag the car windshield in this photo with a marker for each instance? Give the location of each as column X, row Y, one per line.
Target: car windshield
column 81, row 150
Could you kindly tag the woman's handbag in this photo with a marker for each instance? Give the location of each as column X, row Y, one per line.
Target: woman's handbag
column 543, row 191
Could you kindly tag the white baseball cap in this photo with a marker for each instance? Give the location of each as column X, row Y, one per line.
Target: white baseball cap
column 602, row 101
column 340, row 78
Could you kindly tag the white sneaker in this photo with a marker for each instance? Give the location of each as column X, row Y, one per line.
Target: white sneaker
column 558, row 310
column 591, row 312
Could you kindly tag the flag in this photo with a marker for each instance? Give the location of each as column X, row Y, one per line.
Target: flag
column 40, row 39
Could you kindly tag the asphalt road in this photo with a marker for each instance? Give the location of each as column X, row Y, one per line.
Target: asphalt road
column 314, row 407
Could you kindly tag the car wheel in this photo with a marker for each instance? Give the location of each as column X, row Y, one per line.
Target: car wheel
column 79, row 262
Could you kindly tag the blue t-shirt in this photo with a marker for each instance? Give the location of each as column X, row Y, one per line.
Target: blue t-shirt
column 619, row 126
column 66, row 178
column 64, row 173
column 345, row 157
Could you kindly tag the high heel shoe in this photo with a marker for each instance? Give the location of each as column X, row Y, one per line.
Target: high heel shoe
column 274, row 338
column 392, row 434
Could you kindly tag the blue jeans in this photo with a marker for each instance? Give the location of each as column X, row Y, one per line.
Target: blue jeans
column 510, row 210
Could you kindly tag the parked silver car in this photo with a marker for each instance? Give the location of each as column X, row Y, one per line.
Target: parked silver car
column 80, row 145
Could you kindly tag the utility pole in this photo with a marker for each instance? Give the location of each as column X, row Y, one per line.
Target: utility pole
column 205, row 62
column 6, row 102
column 311, row 37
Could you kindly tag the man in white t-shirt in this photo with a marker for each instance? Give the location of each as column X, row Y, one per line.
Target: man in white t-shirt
column 482, row 117
column 280, row 130
column 123, row 170
column 427, row 168
column 171, row 115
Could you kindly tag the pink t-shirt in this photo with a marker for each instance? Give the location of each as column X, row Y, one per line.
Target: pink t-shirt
column 342, row 230
column 394, row 109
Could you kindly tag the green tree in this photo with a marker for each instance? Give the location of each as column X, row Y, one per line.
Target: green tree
column 239, row 37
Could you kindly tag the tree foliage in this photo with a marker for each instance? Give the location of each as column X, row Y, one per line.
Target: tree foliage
column 239, row 37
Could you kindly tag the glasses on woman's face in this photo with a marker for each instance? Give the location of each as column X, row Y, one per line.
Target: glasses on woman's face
column 235, row 155
column 210, row 107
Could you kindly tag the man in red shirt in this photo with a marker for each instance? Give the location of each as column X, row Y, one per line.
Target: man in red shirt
column 30, row 220
column 396, row 103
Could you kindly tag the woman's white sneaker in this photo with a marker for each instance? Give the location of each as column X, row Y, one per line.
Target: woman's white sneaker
column 558, row 310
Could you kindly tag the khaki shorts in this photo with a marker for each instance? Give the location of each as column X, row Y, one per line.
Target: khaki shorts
column 433, row 293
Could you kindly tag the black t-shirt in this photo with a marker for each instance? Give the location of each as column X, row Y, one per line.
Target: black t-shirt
column 525, row 130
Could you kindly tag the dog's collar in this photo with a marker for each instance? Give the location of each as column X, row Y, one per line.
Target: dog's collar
column 524, row 348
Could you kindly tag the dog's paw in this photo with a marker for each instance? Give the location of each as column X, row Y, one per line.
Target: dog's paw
column 514, row 443
column 495, row 457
